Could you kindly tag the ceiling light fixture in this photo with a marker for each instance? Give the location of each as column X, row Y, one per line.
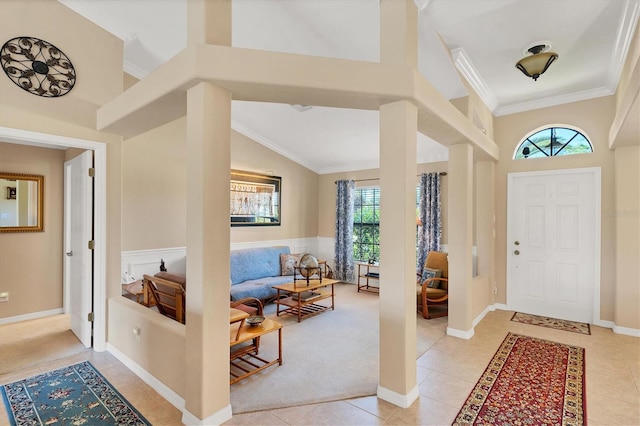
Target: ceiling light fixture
column 537, row 62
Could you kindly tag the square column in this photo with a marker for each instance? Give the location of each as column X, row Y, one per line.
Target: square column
column 399, row 32
column 485, row 232
column 460, row 228
column 398, row 138
column 209, row 22
column 207, row 395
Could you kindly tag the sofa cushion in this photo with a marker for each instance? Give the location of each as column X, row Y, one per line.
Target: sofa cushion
column 260, row 288
column 288, row 263
column 254, row 263
column 428, row 273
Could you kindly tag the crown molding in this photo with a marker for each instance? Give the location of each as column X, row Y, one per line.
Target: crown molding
column 85, row 9
column 552, row 101
column 243, row 130
column 421, row 4
column 624, row 37
column 465, row 66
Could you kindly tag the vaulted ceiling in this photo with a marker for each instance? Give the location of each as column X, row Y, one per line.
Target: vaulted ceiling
column 480, row 40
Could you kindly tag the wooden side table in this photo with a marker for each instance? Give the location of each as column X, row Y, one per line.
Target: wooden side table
column 245, row 361
column 367, row 277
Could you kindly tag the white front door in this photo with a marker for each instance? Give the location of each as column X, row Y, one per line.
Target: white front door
column 78, row 231
column 553, row 226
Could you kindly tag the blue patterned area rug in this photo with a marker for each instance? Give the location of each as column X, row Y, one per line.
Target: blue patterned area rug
column 73, row 395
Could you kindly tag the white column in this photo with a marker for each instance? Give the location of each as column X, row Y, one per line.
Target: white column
column 460, row 231
column 398, row 136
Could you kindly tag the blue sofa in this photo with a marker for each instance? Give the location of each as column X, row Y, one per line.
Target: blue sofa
column 255, row 271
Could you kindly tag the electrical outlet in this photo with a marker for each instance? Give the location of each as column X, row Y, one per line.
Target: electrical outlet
column 4, row 296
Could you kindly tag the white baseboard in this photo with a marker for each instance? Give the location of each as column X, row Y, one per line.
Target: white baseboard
column 33, row 315
column 599, row 322
column 402, row 401
column 166, row 392
column 626, row 331
column 501, row 306
column 482, row 314
column 460, row 333
column 215, row 419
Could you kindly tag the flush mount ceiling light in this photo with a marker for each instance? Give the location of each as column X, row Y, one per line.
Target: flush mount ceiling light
column 537, row 62
column 37, row 66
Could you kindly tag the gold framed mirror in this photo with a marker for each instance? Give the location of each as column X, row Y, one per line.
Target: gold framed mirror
column 21, row 202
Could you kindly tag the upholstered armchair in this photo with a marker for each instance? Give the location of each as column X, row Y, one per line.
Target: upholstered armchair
column 432, row 288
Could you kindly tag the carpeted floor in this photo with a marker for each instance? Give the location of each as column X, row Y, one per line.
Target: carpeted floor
column 76, row 394
column 529, row 381
column 557, row 324
column 331, row 356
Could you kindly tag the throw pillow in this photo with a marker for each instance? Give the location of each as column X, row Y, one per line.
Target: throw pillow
column 288, row 262
column 431, row 273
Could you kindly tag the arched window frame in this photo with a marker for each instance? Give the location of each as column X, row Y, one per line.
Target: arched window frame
column 551, row 127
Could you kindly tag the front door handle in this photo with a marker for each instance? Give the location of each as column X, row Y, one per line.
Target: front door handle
column 70, row 253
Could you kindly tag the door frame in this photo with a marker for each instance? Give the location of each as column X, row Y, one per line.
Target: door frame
column 26, row 137
column 596, row 172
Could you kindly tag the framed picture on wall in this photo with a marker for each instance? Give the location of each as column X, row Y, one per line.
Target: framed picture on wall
column 255, row 199
column 11, row 193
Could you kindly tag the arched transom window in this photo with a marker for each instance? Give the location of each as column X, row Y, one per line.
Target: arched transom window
column 553, row 141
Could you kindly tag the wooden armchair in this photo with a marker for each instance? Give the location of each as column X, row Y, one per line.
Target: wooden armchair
column 169, row 296
column 434, row 291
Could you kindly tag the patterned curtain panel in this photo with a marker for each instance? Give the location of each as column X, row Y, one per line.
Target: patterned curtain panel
column 345, row 196
column 430, row 233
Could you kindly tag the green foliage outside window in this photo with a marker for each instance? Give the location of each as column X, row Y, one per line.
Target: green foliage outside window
column 366, row 225
column 552, row 142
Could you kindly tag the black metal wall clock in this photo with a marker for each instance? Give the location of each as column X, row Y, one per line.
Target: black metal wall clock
column 37, row 66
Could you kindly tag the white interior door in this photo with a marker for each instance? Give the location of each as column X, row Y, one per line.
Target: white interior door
column 551, row 243
column 78, row 231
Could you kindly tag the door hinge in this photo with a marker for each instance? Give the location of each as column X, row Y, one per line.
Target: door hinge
column 90, row 317
column 92, row 245
column 92, row 172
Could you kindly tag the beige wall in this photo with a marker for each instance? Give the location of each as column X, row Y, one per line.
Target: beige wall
column 154, row 196
column 327, row 194
column 99, row 79
column 626, row 216
column 593, row 117
column 95, row 54
column 34, row 289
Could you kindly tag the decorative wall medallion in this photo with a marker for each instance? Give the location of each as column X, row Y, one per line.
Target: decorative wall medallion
column 37, row 66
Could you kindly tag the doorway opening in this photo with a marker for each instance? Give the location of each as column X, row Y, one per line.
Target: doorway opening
column 25, row 137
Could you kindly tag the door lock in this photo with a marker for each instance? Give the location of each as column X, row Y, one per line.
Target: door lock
column 70, row 253
column 516, row 242
column 517, row 252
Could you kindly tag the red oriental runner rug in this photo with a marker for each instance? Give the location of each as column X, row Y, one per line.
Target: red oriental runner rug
column 529, row 381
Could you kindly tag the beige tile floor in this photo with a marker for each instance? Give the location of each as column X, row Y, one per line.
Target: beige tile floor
column 447, row 372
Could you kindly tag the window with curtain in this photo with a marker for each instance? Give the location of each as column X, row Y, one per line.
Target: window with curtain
column 366, row 224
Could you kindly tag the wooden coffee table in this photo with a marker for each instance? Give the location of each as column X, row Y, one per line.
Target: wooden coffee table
column 289, row 295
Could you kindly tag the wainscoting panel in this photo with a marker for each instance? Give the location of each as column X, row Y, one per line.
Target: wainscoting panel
column 136, row 263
